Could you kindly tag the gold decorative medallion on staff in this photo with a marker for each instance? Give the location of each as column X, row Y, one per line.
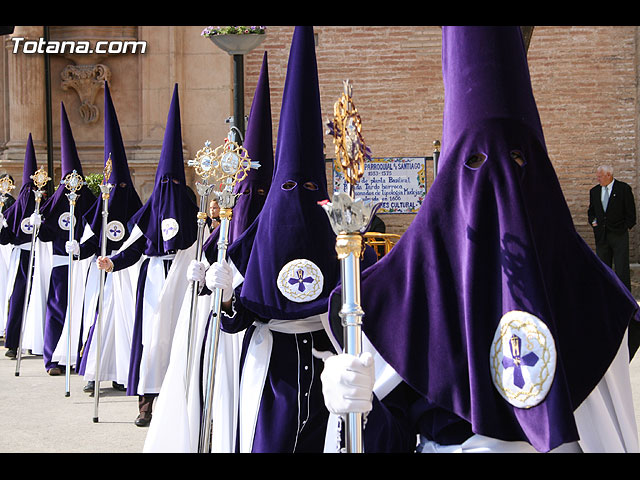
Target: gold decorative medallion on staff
column 6, row 186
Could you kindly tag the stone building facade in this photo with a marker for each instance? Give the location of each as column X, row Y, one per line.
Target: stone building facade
column 585, row 80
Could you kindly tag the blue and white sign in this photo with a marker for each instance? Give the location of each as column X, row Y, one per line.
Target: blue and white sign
column 398, row 183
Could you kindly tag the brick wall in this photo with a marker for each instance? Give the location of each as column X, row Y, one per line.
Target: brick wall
column 397, row 86
column 584, row 80
column 585, row 83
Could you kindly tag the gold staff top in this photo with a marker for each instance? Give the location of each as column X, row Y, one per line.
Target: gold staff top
column 347, row 214
column 105, row 186
column 6, row 185
column 227, row 165
column 73, row 182
column 40, row 178
column 346, row 128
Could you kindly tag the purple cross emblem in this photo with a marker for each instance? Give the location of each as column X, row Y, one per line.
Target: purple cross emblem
column 28, row 227
column 300, row 280
column 66, row 221
column 115, row 231
column 517, row 361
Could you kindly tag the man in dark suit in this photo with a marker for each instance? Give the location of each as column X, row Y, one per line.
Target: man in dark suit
column 612, row 213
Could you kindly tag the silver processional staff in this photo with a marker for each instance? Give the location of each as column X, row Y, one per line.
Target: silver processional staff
column 72, row 182
column 350, row 217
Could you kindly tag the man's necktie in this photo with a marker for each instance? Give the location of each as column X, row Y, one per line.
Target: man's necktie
column 605, row 198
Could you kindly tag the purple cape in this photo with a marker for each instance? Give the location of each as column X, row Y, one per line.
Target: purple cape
column 58, row 203
column 292, row 225
column 492, row 237
column 169, row 207
column 123, row 198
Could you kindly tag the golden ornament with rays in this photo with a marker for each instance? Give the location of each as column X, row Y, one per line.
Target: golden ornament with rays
column 346, row 128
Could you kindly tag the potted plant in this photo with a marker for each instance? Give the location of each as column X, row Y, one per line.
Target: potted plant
column 93, row 181
column 236, row 40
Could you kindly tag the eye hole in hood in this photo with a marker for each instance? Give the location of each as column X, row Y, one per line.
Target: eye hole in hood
column 289, row 185
column 475, row 161
column 517, row 157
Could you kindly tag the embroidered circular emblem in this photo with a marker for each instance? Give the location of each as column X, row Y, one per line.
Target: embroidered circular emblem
column 64, row 221
column 300, row 281
column 169, row 228
column 115, row 231
column 523, row 359
column 25, row 226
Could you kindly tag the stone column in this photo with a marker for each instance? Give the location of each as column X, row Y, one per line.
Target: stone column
column 27, row 107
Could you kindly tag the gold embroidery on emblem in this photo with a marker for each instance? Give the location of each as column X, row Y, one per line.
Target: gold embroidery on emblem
column 300, row 281
column 523, row 359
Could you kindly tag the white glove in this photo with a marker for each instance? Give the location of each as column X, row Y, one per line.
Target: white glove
column 3, row 222
column 72, row 247
column 35, row 220
column 347, row 382
column 220, row 275
column 196, row 271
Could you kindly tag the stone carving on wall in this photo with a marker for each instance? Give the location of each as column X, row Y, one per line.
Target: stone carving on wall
column 86, row 80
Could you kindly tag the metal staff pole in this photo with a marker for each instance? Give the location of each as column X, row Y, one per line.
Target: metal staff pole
column 40, row 179
column 72, row 182
column 350, row 217
column 231, row 164
column 203, row 164
column 436, row 157
column 105, row 189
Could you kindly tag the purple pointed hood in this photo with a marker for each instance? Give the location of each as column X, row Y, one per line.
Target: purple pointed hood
column 495, row 236
column 287, row 256
column 30, row 164
column 169, row 217
column 123, row 198
column 258, row 142
column 68, row 151
column 53, row 225
column 25, row 203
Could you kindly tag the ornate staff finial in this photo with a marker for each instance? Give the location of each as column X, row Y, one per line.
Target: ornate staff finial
column 73, row 182
column 348, row 214
column 6, row 185
column 225, row 166
column 346, row 128
column 40, row 178
column 105, row 186
column 231, row 164
column 203, row 162
column 106, row 172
